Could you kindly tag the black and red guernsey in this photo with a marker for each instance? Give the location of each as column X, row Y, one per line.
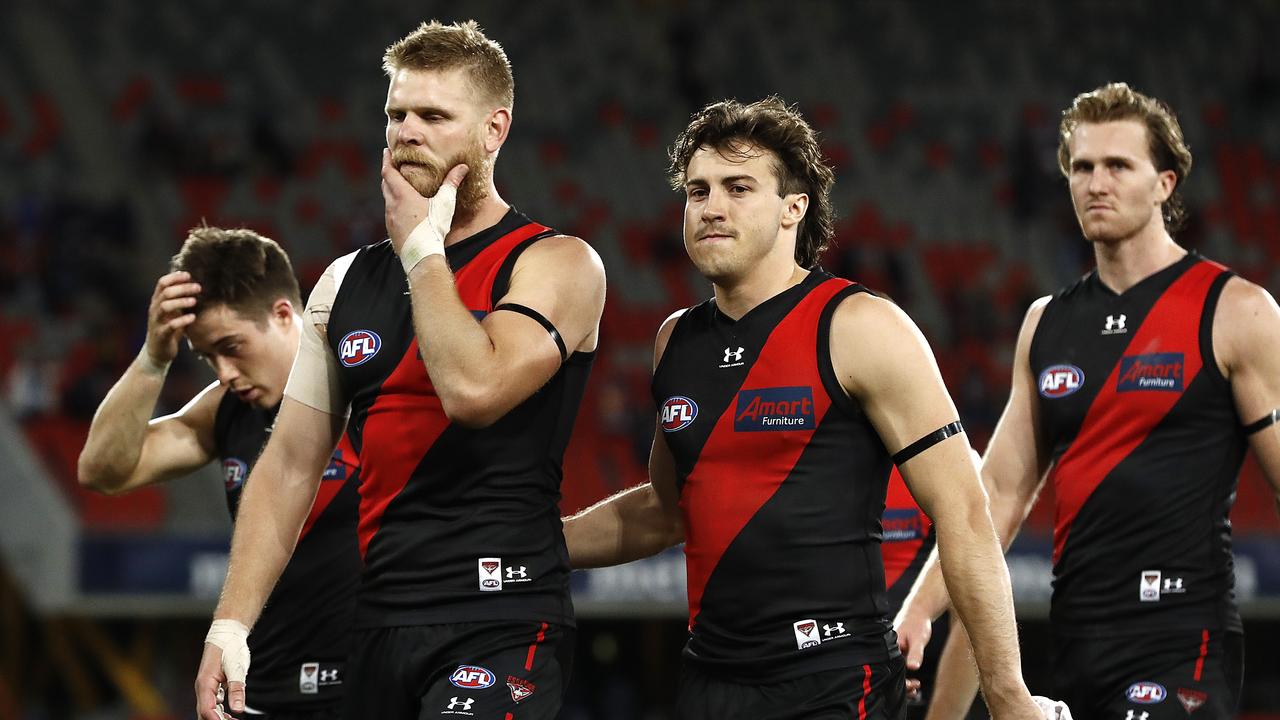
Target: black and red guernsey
column 456, row 524
column 1146, row 446
column 299, row 645
column 907, row 540
column 782, row 484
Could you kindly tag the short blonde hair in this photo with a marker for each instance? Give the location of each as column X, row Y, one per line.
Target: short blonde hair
column 436, row 46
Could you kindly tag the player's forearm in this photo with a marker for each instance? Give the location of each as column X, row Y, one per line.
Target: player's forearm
column 277, row 497
column 956, row 683
column 114, row 445
column 928, row 597
column 625, row 527
column 978, row 582
column 458, row 353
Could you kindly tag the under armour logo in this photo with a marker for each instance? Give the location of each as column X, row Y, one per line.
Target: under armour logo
column 1172, row 584
column 829, row 630
column 1115, row 325
column 731, row 355
column 455, row 703
column 513, row 573
column 329, row 675
column 1135, row 715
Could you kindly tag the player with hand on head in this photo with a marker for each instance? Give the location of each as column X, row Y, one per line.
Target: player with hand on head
column 459, row 348
column 232, row 295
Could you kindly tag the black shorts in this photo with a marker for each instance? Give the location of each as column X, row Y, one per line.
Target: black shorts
column 868, row 692
column 461, row 671
column 1159, row 675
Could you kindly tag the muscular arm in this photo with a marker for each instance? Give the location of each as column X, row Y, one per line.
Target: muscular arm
column 901, row 390
column 124, row 451
column 637, row 522
column 280, row 491
column 1012, row 473
column 1246, row 334
column 483, row 369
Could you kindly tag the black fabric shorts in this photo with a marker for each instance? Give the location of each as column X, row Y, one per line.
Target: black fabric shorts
column 867, row 692
column 460, row 671
column 1155, row 676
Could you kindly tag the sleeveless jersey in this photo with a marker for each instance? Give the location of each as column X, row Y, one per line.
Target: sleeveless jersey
column 907, row 540
column 782, row 484
column 1145, row 448
column 456, row 524
column 299, row 645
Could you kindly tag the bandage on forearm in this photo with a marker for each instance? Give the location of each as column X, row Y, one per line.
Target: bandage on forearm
column 233, row 638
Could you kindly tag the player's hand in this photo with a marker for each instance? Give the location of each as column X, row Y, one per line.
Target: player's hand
column 406, row 209
column 223, row 668
column 169, row 315
column 1052, row 709
column 914, row 632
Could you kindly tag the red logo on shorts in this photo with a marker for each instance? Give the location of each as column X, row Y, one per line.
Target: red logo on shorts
column 520, row 689
column 489, row 567
column 1191, row 699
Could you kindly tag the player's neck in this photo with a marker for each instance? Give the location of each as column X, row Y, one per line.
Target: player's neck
column 1125, row 263
column 490, row 212
column 738, row 296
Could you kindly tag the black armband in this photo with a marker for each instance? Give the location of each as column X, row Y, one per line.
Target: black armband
column 545, row 323
column 1267, row 421
column 927, row 442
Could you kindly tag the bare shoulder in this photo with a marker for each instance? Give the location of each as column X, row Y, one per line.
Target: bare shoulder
column 869, row 317
column 1247, row 320
column 667, row 327
column 564, row 253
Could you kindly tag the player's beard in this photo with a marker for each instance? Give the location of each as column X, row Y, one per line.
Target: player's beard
column 427, row 177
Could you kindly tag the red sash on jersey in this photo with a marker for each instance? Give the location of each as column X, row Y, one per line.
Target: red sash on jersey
column 1114, row 425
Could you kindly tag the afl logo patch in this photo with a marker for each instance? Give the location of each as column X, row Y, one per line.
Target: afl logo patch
column 1060, row 381
column 1146, row 693
column 678, row 413
column 358, row 347
column 471, row 677
column 234, row 471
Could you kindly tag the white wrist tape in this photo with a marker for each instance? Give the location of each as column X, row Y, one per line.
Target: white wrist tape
column 233, row 637
column 151, row 367
column 428, row 237
column 1052, row 709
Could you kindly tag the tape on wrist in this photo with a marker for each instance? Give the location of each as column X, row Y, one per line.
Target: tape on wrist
column 422, row 243
column 233, row 638
column 151, row 366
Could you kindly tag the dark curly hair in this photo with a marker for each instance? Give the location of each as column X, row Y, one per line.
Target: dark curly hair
column 773, row 125
column 238, row 268
column 1168, row 148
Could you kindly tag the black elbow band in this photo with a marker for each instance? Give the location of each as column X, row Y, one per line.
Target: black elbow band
column 1267, row 421
column 927, row 442
column 545, row 323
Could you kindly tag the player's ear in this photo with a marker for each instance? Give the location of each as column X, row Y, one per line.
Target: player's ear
column 496, row 128
column 794, row 206
column 282, row 311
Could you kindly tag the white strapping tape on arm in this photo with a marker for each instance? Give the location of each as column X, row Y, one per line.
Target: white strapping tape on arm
column 427, row 238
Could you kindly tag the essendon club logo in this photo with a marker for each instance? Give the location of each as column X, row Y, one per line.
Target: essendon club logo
column 774, row 409
column 519, row 687
column 1155, row 371
column 490, row 574
column 1191, row 699
column 901, row 525
column 806, row 633
column 358, row 347
column 1060, row 381
column 678, row 413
